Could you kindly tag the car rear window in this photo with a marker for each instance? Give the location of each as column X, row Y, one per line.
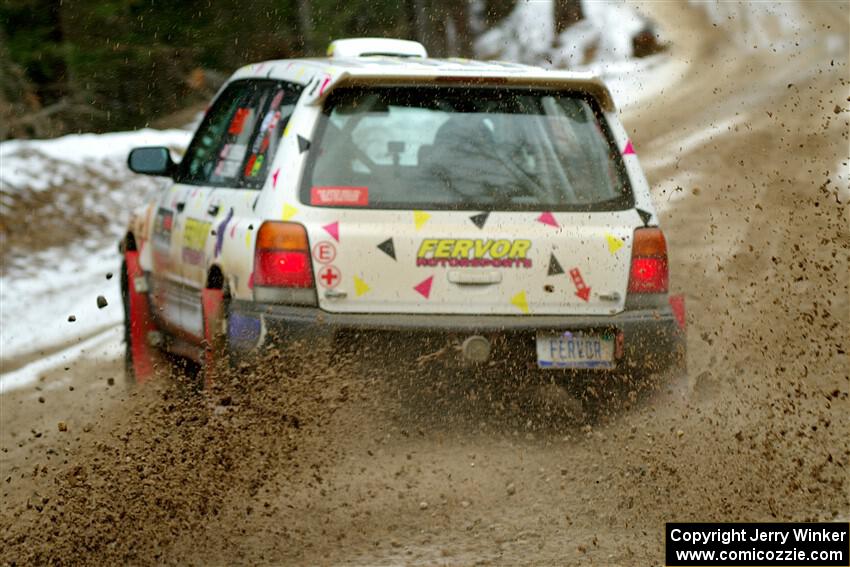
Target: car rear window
column 464, row 148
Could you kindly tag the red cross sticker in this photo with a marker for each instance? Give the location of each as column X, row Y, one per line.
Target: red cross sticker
column 329, row 276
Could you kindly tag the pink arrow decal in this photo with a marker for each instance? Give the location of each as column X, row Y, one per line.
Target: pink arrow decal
column 629, row 149
column 333, row 230
column 324, row 84
column 274, row 177
column 548, row 218
column 424, row 287
column 233, row 229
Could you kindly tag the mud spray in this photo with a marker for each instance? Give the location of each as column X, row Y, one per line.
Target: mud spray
column 338, row 460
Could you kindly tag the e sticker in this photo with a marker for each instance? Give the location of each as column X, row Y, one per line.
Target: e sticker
column 324, row 252
column 339, row 196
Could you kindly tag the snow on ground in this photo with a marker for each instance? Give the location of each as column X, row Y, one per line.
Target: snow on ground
column 22, row 161
column 779, row 26
column 35, row 303
column 636, row 80
column 694, row 140
column 528, row 35
column 600, row 43
column 36, row 308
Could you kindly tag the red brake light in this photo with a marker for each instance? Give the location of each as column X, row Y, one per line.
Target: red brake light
column 649, row 272
column 282, row 258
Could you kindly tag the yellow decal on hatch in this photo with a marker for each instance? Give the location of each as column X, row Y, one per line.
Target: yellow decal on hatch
column 360, row 287
column 474, row 253
column 520, row 302
column 420, row 218
column 614, row 243
column 288, row 212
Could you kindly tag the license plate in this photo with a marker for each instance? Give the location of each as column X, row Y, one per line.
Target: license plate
column 575, row 350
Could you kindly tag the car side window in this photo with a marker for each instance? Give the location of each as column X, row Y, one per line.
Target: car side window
column 282, row 98
column 238, row 138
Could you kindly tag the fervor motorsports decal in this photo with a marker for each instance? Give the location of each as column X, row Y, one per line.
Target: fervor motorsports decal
column 474, row 253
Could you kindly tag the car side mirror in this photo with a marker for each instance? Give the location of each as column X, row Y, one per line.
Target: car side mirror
column 154, row 160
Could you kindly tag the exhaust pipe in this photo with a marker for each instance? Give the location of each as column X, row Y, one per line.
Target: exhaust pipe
column 476, row 349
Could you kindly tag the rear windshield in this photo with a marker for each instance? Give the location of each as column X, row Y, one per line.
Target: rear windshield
column 464, row 148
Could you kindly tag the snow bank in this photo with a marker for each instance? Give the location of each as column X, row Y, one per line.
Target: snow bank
column 528, row 35
column 780, row 26
column 22, row 162
column 40, row 292
column 600, row 43
column 35, row 309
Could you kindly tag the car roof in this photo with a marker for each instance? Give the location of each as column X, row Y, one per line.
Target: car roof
column 322, row 74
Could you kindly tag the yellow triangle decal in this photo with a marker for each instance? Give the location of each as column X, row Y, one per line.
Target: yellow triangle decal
column 520, row 302
column 288, row 212
column 247, row 239
column 360, row 287
column 420, row 218
column 286, row 130
column 614, row 243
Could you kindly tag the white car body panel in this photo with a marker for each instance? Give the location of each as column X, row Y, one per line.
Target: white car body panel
column 597, row 243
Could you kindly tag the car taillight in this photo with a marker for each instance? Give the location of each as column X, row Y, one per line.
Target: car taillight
column 282, row 258
column 649, row 272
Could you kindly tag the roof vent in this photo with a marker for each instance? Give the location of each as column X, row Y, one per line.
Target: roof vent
column 376, row 46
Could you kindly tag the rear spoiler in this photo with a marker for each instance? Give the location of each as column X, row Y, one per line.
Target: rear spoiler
column 552, row 80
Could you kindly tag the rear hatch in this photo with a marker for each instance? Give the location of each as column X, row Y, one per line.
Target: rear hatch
column 467, row 200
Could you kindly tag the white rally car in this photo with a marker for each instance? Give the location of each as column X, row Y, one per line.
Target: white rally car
column 497, row 206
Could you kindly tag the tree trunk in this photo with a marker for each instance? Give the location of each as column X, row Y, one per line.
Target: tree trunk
column 305, row 25
column 420, row 21
column 567, row 13
column 459, row 17
column 495, row 11
column 17, row 98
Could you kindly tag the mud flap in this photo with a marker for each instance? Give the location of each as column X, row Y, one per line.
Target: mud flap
column 212, row 303
column 677, row 304
column 144, row 356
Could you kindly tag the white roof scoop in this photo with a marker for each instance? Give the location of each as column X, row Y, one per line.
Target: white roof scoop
column 375, row 46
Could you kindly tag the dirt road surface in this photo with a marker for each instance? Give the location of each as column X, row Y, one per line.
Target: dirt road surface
column 350, row 463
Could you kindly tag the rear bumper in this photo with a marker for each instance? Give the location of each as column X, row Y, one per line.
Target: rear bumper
column 649, row 336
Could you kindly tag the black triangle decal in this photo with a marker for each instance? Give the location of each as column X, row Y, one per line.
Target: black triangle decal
column 387, row 248
column 554, row 267
column 480, row 219
column 303, row 144
column 644, row 216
